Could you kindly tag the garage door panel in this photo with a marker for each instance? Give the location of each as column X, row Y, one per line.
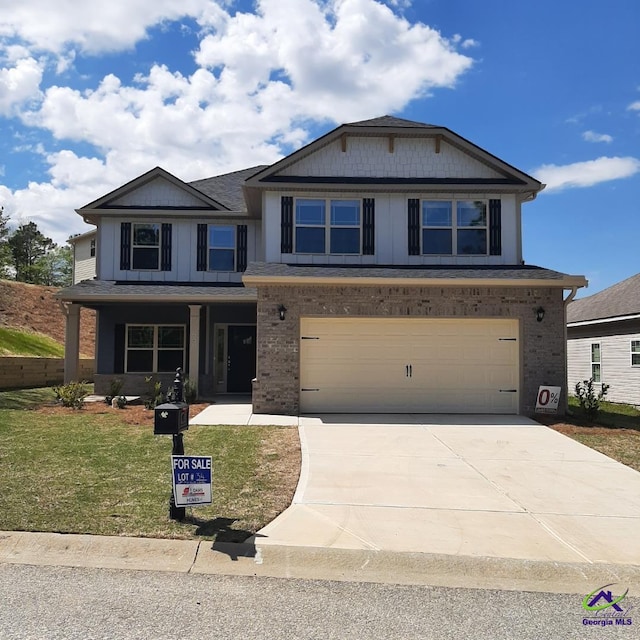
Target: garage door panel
column 362, row 364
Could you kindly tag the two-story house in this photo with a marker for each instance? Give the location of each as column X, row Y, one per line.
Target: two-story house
column 378, row 268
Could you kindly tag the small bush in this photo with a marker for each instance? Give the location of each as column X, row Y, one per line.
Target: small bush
column 189, row 391
column 588, row 398
column 115, row 387
column 155, row 395
column 71, row 394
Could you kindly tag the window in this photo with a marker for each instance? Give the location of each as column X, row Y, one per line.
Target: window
column 92, row 249
column 454, row 227
column 154, row 348
column 145, row 247
column 340, row 231
column 222, row 248
column 596, row 362
column 635, row 353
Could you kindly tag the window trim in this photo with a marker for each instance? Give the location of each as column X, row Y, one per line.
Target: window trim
column 635, row 352
column 234, row 248
column 92, row 248
column 455, row 227
column 597, row 362
column 134, row 246
column 327, row 226
column 155, row 349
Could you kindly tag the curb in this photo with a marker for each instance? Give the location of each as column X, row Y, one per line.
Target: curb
column 310, row 563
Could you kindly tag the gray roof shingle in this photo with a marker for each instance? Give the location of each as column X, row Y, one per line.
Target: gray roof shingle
column 621, row 299
column 227, row 188
column 103, row 290
column 392, row 121
column 528, row 272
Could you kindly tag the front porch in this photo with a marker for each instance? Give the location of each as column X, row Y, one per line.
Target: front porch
column 212, row 338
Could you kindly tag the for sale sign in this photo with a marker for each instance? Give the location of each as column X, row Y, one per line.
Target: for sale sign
column 191, row 480
column 548, row 400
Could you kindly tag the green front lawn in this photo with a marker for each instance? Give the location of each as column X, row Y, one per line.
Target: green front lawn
column 89, row 471
column 16, row 342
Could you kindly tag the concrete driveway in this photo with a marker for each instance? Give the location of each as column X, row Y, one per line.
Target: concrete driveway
column 474, row 486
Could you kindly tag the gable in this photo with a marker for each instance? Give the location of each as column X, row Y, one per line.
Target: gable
column 160, row 193
column 377, row 157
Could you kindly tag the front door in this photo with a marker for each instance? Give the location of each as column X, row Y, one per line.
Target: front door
column 241, row 358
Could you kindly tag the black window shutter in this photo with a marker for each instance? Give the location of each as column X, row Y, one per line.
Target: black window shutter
column 118, row 348
column 241, row 247
column 125, row 246
column 165, row 251
column 201, row 250
column 368, row 226
column 414, row 227
column 286, row 228
column 495, row 228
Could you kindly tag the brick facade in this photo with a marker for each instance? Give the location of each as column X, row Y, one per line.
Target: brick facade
column 542, row 346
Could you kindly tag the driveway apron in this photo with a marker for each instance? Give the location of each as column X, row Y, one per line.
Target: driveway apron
column 482, row 486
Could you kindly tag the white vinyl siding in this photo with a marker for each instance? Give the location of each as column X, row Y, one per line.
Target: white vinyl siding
column 391, row 232
column 617, row 371
column 184, row 244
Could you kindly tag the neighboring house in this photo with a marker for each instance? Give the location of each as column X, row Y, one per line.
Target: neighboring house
column 84, row 256
column 603, row 332
column 378, row 268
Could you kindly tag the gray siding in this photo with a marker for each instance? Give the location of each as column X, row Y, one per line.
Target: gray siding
column 615, row 348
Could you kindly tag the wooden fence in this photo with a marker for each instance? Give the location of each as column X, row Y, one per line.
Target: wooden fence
column 22, row 373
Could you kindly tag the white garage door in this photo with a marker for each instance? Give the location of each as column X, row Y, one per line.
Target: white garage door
column 408, row 365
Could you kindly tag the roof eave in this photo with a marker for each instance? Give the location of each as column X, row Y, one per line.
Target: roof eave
column 567, row 282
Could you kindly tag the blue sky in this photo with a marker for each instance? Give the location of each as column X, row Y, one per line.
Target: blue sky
column 92, row 96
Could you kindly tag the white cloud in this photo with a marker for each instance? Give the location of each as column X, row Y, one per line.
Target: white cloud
column 19, row 84
column 90, row 26
column 264, row 80
column 592, row 136
column 634, row 106
column 586, row 174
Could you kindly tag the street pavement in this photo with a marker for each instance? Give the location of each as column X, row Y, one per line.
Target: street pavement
column 61, row 603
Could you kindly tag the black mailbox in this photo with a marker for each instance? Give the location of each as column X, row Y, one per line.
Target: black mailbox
column 171, row 418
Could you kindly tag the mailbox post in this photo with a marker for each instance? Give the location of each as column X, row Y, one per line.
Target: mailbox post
column 171, row 419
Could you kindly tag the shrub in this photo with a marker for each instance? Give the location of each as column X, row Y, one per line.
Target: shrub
column 71, row 394
column 588, row 398
column 115, row 389
column 155, row 395
column 189, row 391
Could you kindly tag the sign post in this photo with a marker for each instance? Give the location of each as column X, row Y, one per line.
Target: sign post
column 548, row 400
column 191, row 480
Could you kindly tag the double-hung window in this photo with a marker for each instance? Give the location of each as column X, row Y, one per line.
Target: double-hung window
column 454, row 227
column 145, row 246
column 635, row 353
column 327, row 226
column 222, row 248
column 596, row 362
column 154, row 348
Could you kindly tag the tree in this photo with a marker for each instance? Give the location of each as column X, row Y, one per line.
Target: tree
column 28, row 245
column 56, row 267
column 5, row 250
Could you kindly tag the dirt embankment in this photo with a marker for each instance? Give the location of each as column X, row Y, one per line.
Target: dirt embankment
column 33, row 307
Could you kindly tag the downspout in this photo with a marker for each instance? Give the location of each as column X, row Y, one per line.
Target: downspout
column 567, row 300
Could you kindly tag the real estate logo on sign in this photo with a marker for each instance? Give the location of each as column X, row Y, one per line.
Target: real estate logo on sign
column 191, row 480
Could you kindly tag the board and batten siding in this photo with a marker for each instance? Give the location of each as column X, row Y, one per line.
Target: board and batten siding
column 391, row 231
column 184, row 245
column 615, row 365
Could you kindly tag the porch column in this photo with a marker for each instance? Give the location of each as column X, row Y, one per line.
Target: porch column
column 194, row 343
column 71, row 342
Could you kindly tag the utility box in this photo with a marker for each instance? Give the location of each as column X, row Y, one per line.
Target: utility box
column 170, row 418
